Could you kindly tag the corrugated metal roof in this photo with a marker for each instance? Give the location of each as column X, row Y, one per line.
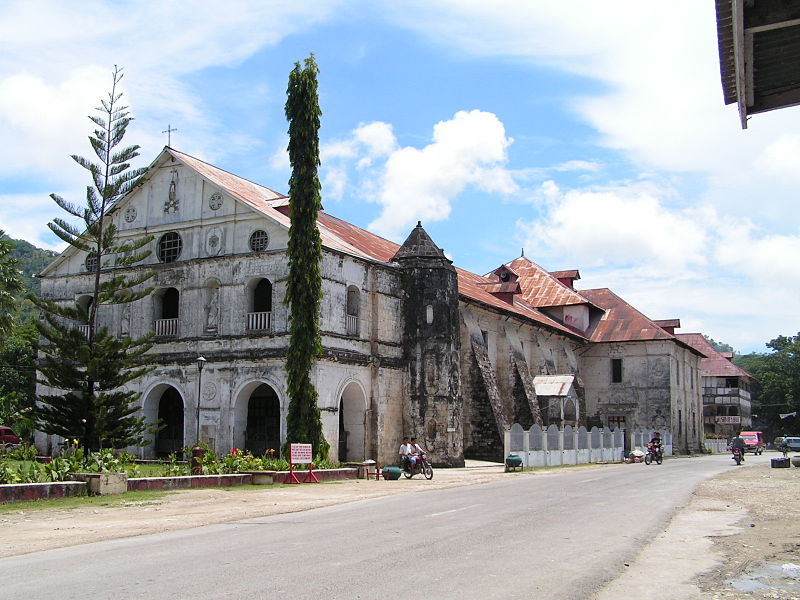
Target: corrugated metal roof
column 622, row 322
column 554, row 385
column 715, row 364
column 759, row 54
column 540, row 288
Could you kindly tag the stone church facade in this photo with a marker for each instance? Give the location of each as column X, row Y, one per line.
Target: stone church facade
column 411, row 344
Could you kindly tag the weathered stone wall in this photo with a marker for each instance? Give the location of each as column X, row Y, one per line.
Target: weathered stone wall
column 652, row 393
column 511, row 345
column 215, row 276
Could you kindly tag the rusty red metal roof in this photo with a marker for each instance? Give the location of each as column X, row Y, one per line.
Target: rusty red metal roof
column 247, row 191
column 716, row 364
column 542, row 289
column 622, row 322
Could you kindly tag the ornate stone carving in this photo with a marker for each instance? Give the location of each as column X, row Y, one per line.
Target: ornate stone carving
column 209, row 390
column 130, row 214
column 215, row 201
column 214, row 241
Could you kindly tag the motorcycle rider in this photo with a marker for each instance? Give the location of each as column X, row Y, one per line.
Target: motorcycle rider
column 416, row 452
column 655, row 443
column 737, row 443
column 406, row 450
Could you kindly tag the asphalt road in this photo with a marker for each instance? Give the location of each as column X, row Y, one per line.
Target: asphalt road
column 561, row 534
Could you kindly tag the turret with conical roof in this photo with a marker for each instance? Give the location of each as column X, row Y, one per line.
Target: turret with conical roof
column 431, row 340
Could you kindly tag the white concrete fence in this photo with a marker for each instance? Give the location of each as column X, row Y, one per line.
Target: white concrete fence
column 716, row 446
column 552, row 446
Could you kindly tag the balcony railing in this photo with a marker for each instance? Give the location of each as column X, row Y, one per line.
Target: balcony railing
column 259, row 321
column 166, row 327
column 84, row 329
column 352, row 325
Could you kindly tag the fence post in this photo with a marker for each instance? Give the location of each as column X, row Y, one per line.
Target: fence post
column 526, row 446
column 506, row 443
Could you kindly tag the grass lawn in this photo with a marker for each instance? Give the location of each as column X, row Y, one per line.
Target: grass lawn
column 122, row 500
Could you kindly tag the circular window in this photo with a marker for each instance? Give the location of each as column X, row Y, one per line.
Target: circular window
column 259, row 240
column 169, row 247
column 91, row 262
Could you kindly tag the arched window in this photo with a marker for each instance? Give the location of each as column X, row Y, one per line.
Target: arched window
column 260, row 316
column 353, row 302
column 167, row 313
column 84, row 304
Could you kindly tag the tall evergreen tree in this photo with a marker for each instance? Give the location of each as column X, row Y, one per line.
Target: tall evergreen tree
column 10, row 284
column 304, row 286
column 83, row 362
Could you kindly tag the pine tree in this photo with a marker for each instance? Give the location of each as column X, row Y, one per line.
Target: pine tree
column 304, row 286
column 10, row 284
column 83, row 363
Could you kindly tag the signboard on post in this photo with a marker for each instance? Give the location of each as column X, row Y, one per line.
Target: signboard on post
column 301, row 454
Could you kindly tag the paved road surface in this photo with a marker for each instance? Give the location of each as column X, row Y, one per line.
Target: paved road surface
column 560, row 534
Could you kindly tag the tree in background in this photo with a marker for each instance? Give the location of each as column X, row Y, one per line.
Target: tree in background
column 18, row 379
column 304, row 285
column 10, row 284
column 719, row 346
column 778, row 375
column 83, row 363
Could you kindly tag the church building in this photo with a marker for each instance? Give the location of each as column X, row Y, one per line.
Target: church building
column 412, row 345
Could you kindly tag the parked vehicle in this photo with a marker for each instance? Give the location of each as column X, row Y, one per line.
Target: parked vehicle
column 792, row 443
column 7, row 436
column 654, row 453
column 738, row 455
column 421, row 466
column 754, row 441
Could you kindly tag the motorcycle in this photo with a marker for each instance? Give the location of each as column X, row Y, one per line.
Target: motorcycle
column 737, row 455
column 654, row 453
column 420, row 466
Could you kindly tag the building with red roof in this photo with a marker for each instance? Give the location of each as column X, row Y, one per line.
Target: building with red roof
column 726, row 389
column 412, row 345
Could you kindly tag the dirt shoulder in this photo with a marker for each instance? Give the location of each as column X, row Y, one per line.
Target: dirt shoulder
column 738, row 538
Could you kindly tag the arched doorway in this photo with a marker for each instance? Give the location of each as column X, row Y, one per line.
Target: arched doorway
column 263, row 428
column 170, row 414
column 352, row 415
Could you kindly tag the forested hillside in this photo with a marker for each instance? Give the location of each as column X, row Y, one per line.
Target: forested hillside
column 31, row 262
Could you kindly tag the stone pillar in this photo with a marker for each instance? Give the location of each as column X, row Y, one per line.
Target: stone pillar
column 431, row 344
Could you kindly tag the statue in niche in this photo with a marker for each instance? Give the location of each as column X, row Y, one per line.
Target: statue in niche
column 125, row 321
column 171, row 205
column 212, row 309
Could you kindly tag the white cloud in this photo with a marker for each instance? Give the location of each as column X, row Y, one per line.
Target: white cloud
column 661, row 101
column 621, row 225
column 710, row 271
column 420, row 184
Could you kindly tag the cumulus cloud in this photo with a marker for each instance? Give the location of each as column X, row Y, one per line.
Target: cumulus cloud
column 688, row 263
column 616, row 225
column 421, row 183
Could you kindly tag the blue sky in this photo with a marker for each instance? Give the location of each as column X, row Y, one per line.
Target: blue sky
column 593, row 135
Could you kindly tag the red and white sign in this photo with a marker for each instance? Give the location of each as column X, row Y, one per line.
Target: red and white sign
column 300, row 454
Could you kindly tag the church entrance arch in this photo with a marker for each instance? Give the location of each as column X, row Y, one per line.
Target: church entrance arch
column 164, row 405
column 257, row 426
column 352, row 417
